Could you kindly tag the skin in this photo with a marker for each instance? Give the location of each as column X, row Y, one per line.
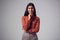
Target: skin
column 30, row 11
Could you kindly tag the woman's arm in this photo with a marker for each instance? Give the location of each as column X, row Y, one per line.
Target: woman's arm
column 25, row 24
column 37, row 26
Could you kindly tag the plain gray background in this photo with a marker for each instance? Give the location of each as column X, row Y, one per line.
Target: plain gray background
column 12, row 10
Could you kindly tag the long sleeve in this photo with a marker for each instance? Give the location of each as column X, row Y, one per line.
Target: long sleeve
column 37, row 27
column 25, row 24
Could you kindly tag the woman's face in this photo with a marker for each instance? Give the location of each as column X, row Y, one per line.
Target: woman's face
column 30, row 10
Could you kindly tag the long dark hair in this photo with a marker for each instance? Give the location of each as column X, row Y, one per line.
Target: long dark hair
column 26, row 11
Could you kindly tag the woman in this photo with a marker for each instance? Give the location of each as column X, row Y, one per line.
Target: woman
column 30, row 23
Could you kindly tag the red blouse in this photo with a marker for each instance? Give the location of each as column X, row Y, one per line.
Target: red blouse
column 35, row 24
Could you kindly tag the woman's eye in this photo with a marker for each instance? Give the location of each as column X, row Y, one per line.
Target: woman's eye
column 28, row 8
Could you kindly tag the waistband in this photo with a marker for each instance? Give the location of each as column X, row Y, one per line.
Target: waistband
column 30, row 33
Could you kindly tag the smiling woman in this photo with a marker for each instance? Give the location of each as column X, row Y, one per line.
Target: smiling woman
column 30, row 23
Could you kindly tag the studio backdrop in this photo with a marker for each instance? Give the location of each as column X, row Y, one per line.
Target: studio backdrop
column 13, row 10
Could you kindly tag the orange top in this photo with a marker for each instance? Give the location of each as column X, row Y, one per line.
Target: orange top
column 34, row 27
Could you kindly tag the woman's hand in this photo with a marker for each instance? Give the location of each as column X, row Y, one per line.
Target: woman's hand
column 29, row 16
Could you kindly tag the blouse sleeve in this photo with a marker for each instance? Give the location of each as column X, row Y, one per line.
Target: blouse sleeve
column 37, row 26
column 25, row 24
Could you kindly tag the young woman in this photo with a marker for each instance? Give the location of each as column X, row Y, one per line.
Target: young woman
column 30, row 23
